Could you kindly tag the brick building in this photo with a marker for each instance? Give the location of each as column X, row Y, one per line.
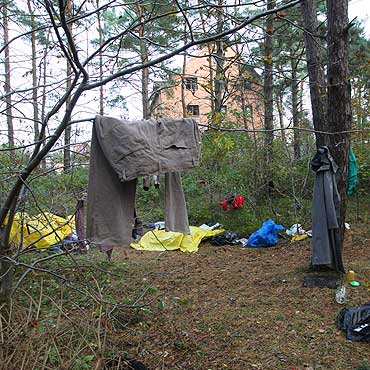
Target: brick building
column 241, row 93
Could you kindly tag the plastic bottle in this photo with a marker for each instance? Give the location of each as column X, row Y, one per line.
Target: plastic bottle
column 340, row 294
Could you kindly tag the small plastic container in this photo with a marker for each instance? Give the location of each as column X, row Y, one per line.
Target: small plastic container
column 354, row 283
column 350, row 276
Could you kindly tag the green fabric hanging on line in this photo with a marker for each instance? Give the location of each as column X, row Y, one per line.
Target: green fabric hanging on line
column 352, row 172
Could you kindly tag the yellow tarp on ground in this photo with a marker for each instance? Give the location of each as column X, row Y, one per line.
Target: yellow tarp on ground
column 40, row 231
column 161, row 240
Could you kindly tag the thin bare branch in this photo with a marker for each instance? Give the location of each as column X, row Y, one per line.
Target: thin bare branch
column 179, row 50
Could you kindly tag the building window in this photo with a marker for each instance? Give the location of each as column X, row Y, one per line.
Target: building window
column 191, row 83
column 247, row 85
column 192, row 110
column 248, row 112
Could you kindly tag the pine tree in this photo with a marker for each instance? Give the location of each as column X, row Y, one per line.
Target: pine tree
column 7, row 84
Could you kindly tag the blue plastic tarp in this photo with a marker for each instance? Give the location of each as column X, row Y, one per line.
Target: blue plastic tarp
column 266, row 236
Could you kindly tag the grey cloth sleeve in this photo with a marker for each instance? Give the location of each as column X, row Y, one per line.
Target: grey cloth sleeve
column 110, row 202
column 176, row 215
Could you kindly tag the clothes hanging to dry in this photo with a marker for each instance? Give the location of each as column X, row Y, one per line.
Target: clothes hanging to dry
column 121, row 151
column 326, row 243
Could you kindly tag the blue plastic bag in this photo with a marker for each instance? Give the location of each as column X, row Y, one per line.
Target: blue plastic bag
column 266, row 236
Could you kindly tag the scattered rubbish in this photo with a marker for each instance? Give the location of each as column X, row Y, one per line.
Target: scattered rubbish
column 159, row 225
column 299, row 237
column 68, row 243
column 355, row 322
column 347, row 226
column 354, row 283
column 340, row 294
column 294, row 230
column 225, row 238
column 243, row 241
column 322, row 281
column 266, row 236
column 350, row 276
column 211, row 227
column 298, row 233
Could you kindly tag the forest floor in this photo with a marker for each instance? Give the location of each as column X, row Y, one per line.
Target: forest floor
column 234, row 308
column 222, row 308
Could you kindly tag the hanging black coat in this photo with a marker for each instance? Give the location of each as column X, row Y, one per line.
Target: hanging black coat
column 326, row 242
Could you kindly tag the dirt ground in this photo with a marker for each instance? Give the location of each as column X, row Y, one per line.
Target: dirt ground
column 236, row 308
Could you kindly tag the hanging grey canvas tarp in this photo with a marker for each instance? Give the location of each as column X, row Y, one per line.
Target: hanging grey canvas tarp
column 123, row 150
column 326, row 242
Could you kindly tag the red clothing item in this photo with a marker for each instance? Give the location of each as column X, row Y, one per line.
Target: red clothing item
column 238, row 202
column 223, row 204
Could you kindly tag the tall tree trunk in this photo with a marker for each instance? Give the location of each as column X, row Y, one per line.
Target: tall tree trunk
column 144, row 59
column 145, row 85
column 242, row 80
column 101, row 92
column 220, row 55
column 295, row 112
column 359, row 116
column 6, row 267
column 315, row 69
column 6, row 282
column 268, row 88
column 210, row 65
column 242, row 91
column 339, row 94
column 280, row 108
column 183, row 100
column 7, row 85
column 34, row 74
column 67, row 132
column 247, row 110
column 43, row 70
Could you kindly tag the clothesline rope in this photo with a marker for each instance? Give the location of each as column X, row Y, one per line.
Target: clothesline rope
column 242, row 129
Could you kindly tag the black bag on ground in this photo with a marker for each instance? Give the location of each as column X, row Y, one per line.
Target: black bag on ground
column 225, row 238
column 355, row 322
